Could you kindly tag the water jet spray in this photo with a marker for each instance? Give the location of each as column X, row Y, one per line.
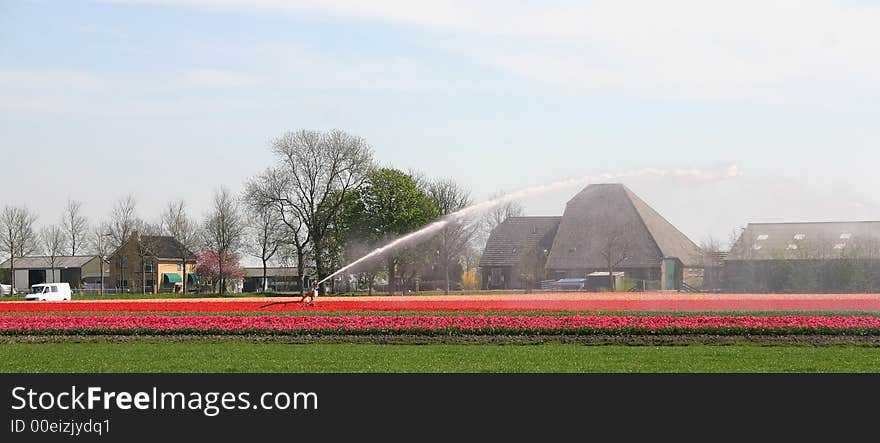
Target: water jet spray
column 700, row 175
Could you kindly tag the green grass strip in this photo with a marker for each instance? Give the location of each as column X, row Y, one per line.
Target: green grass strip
column 237, row 356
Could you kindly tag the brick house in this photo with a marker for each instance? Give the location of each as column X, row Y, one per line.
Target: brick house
column 152, row 264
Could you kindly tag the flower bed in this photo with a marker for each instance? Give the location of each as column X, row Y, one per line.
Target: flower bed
column 433, row 324
column 611, row 304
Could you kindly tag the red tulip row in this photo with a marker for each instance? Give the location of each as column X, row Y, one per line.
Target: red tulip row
column 433, row 324
column 611, row 304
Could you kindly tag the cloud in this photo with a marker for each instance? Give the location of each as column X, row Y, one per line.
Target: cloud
column 687, row 49
column 45, row 90
column 218, row 78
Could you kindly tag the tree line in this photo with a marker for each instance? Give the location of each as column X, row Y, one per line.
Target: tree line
column 324, row 202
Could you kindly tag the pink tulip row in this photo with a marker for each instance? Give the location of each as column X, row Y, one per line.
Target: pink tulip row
column 437, row 324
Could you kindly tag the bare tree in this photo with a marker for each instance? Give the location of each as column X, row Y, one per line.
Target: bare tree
column 75, row 226
column 148, row 234
column 100, row 244
column 615, row 249
column 273, row 189
column 224, row 229
column 18, row 237
column 53, row 243
column 176, row 223
column 453, row 240
column 320, row 171
column 710, row 249
column 531, row 267
column 496, row 216
column 265, row 236
column 123, row 221
column 710, row 246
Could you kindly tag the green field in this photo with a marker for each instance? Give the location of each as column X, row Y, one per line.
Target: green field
column 241, row 356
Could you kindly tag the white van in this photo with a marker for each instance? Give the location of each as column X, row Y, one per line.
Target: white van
column 49, row 292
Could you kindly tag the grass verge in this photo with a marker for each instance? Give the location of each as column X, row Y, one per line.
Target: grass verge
column 242, row 356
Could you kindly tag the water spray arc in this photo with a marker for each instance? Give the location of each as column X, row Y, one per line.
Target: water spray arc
column 700, row 175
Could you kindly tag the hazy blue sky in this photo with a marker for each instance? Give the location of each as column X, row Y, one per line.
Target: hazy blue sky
column 170, row 99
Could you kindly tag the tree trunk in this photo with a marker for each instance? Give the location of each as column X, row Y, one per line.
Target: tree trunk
column 611, row 278
column 265, row 273
column 183, row 286
column 301, row 269
column 12, row 269
column 391, row 270
column 446, row 269
column 320, row 272
column 102, row 275
column 222, row 282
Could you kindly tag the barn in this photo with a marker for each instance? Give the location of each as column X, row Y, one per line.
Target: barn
column 516, row 252
column 605, row 228
column 608, row 228
column 82, row 271
column 805, row 257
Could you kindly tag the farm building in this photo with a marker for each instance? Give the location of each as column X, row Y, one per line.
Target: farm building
column 606, row 229
column 81, row 272
column 805, row 257
column 516, row 251
column 152, row 263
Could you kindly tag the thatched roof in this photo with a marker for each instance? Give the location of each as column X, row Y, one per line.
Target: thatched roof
column 604, row 211
column 516, row 237
column 808, row 241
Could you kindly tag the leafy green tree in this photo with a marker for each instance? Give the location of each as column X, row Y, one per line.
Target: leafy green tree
column 389, row 205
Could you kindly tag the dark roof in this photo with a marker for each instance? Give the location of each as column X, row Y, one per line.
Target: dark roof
column 601, row 211
column 42, row 261
column 805, row 241
column 163, row 246
column 272, row 271
column 517, row 236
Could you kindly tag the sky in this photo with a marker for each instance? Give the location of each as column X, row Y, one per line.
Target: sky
column 171, row 99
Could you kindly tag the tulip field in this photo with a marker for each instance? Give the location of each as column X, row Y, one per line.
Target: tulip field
column 420, row 324
column 482, row 320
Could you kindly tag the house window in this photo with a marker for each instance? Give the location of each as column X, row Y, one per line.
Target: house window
column 845, row 236
column 763, row 237
column 840, row 246
column 121, row 262
column 514, row 250
column 147, row 265
column 792, row 247
column 800, row 236
column 179, row 267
